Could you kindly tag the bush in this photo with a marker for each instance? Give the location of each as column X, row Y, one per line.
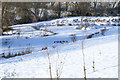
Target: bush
column 73, row 37
column 60, row 24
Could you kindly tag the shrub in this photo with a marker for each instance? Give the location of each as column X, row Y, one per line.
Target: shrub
column 73, row 37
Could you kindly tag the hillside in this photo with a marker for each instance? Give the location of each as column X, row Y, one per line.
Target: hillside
column 64, row 45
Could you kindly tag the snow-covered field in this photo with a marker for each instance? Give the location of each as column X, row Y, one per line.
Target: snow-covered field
column 53, row 46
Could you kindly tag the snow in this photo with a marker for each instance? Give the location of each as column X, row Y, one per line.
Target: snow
column 67, row 57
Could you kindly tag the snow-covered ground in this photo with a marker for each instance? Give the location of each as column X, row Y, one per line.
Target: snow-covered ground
column 66, row 57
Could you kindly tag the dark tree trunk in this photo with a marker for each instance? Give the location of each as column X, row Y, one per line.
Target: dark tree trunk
column 59, row 11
